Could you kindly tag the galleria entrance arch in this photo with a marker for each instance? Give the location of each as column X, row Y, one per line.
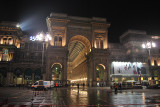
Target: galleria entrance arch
column 78, row 44
column 78, row 47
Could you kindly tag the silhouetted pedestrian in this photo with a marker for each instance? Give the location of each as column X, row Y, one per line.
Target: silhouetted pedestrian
column 78, row 86
column 83, row 84
column 115, row 87
column 120, row 86
column 19, row 86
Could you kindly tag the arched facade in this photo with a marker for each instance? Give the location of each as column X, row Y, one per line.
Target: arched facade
column 78, row 44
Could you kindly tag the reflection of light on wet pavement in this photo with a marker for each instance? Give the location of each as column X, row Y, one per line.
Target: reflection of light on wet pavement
column 143, row 97
column 82, row 97
column 79, row 97
column 80, row 92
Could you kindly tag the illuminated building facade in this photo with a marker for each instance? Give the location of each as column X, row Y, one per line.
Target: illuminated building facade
column 20, row 59
column 78, row 52
column 130, row 62
column 80, row 47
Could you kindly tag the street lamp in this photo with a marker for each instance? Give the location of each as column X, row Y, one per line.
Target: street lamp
column 149, row 45
column 43, row 38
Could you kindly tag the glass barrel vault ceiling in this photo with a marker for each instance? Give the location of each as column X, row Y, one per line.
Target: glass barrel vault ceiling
column 75, row 48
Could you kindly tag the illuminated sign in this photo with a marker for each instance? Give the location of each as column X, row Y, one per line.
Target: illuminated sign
column 126, row 68
column 41, row 37
column 33, row 38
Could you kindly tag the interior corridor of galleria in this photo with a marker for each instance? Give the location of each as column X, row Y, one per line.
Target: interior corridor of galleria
column 78, row 52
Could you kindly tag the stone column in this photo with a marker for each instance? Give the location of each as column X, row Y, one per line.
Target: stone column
column 94, row 73
column 65, row 72
column 108, row 74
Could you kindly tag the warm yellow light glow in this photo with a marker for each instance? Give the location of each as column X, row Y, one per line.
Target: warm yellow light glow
column 142, row 78
column 116, row 79
column 0, row 57
column 157, row 82
column 152, row 63
column 150, row 78
column 103, row 66
column 11, row 42
column 1, row 42
column 18, row 45
column 123, row 79
column 95, row 45
column 58, row 64
column 80, row 92
column 79, row 80
column 156, row 78
column 143, row 96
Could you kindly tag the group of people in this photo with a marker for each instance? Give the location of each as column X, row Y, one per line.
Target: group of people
column 78, row 85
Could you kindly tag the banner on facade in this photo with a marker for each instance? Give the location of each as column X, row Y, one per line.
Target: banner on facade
column 128, row 68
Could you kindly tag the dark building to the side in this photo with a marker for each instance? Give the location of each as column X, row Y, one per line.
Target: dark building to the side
column 78, row 52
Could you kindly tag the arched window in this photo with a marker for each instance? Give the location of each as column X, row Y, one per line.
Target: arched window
column 99, row 42
column 4, row 40
column 56, row 72
column 100, row 72
column 10, row 41
column 58, row 40
column 5, row 56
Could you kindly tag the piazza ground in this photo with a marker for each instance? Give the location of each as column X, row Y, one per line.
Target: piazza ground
column 87, row 96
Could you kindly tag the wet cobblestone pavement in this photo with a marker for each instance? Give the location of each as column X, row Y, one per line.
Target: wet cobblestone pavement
column 83, row 97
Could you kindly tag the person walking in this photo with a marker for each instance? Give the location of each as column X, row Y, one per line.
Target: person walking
column 120, row 86
column 83, row 84
column 78, row 86
column 115, row 87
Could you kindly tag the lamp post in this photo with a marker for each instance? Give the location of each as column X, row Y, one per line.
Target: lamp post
column 149, row 45
column 43, row 38
column 140, row 78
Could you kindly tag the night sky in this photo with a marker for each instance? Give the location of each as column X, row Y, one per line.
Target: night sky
column 31, row 14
